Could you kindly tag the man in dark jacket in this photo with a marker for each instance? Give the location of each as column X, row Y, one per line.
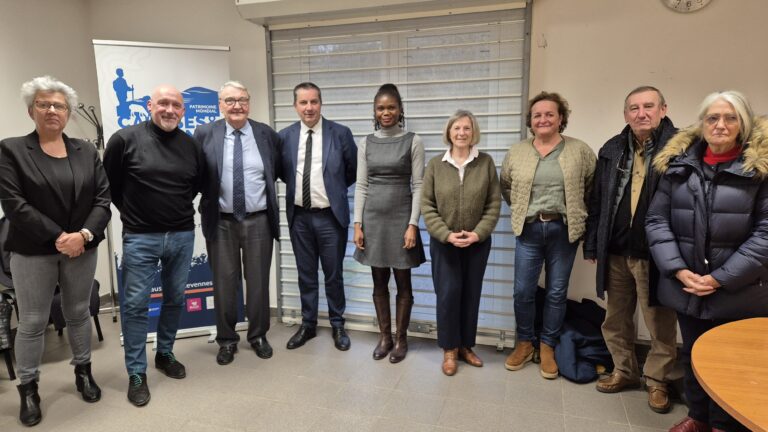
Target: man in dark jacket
column 240, row 217
column 624, row 186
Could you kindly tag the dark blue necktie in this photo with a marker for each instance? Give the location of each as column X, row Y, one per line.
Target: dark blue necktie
column 238, row 182
column 306, row 197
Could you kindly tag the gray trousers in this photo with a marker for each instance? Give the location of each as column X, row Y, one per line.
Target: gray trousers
column 251, row 243
column 34, row 280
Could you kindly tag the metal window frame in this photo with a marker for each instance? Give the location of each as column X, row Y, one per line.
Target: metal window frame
column 500, row 337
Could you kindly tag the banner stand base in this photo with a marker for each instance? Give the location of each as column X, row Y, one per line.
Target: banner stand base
column 209, row 331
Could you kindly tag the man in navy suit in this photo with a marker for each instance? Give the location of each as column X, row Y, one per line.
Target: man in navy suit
column 240, row 217
column 319, row 163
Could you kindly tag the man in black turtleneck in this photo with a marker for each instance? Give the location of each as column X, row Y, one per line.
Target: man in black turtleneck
column 154, row 170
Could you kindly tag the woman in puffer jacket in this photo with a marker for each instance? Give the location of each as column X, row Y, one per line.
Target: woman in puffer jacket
column 707, row 230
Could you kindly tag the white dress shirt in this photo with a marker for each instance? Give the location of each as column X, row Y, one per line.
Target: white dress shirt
column 473, row 153
column 318, row 195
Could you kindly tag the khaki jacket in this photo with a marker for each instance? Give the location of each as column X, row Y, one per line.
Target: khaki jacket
column 577, row 161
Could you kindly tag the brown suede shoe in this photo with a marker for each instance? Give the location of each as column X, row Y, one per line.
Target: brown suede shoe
column 470, row 357
column 449, row 361
column 616, row 382
column 548, row 364
column 522, row 354
column 688, row 424
column 658, row 398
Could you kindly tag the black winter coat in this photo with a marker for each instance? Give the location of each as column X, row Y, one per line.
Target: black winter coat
column 605, row 191
column 721, row 230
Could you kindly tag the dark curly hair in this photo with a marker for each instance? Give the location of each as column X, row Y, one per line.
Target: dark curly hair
column 562, row 108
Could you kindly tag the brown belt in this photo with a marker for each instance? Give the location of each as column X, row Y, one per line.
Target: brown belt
column 547, row 217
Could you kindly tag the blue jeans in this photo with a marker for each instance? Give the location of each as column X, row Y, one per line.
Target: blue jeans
column 542, row 243
column 141, row 254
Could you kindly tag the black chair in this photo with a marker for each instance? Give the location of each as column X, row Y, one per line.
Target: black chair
column 8, row 296
column 7, row 301
column 57, row 315
column 6, row 337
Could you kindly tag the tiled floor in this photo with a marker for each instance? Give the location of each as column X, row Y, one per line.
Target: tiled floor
column 317, row 388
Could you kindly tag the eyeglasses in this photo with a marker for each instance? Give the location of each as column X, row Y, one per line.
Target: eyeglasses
column 728, row 119
column 243, row 101
column 45, row 106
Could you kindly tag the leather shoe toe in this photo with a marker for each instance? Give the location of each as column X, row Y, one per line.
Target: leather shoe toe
column 341, row 339
column 302, row 335
column 615, row 383
column 262, row 347
column 688, row 424
column 226, row 354
column 658, row 399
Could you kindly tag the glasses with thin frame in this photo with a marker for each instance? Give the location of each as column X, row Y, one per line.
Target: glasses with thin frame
column 45, row 106
column 728, row 119
column 243, row 101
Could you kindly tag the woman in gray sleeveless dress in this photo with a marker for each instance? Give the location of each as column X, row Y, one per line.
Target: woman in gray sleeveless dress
column 390, row 165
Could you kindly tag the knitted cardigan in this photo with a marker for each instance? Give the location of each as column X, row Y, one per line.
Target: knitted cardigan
column 577, row 161
column 450, row 205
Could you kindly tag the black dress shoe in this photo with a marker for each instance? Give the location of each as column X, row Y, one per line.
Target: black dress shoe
column 138, row 390
column 167, row 363
column 301, row 336
column 226, row 354
column 262, row 347
column 340, row 339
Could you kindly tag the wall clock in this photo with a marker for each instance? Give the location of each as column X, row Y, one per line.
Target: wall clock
column 685, row 6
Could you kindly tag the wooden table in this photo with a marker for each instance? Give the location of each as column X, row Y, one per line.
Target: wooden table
column 731, row 363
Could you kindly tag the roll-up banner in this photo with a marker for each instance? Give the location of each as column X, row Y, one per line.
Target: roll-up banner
column 127, row 73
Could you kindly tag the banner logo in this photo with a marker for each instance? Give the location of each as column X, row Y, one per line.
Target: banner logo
column 201, row 105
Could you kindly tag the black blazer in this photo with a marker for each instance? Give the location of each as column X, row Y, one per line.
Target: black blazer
column 34, row 204
column 211, row 137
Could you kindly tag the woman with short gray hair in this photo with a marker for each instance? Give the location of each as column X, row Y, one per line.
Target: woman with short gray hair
column 55, row 195
column 707, row 230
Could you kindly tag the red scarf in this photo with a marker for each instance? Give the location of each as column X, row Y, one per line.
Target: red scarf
column 713, row 159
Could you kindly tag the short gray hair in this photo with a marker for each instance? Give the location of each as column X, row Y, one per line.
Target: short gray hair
column 47, row 84
column 739, row 103
column 234, row 84
column 643, row 89
column 453, row 119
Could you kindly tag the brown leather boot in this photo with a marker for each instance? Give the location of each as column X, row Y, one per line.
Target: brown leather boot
column 449, row 361
column 548, row 364
column 522, row 354
column 383, row 315
column 402, row 320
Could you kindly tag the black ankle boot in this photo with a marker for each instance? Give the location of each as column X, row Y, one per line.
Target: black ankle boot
column 85, row 383
column 29, row 414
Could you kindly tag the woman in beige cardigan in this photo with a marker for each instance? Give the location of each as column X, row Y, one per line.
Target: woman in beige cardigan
column 460, row 202
column 545, row 180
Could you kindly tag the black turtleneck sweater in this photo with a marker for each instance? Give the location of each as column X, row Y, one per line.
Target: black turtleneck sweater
column 154, row 175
